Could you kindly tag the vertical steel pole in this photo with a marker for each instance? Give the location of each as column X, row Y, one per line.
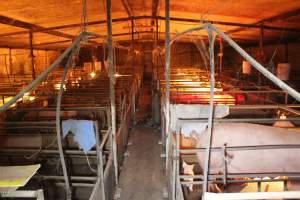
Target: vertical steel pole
column 156, row 46
column 261, row 52
column 112, row 86
column 211, row 40
column 10, row 63
column 167, row 72
column 31, row 54
column 99, row 160
column 94, row 57
column 132, row 42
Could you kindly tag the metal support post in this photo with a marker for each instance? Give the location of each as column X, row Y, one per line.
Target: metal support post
column 112, row 86
column 167, row 73
column 31, row 54
column 211, row 39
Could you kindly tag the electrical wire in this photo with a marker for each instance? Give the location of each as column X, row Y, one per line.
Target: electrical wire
column 40, row 150
column 70, row 64
column 203, row 52
column 271, row 62
column 89, row 164
column 58, row 131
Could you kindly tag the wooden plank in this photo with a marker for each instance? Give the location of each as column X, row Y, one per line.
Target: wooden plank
column 29, row 26
column 13, row 177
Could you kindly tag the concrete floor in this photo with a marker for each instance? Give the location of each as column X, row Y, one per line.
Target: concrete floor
column 143, row 173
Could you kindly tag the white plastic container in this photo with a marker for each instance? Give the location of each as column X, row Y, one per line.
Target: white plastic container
column 246, row 67
column 283, row 71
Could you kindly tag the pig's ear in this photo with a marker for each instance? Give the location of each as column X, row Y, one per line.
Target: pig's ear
column 184, row 164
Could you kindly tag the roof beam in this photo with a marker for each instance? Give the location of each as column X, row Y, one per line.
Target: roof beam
column 45, row 46
column 21, row 24
column 27, row 47
column 36, row 28
column 234, row 24
column 93, row 23
column 172, row 34
column 282, row 16
column 279, row 17
column 293, row 39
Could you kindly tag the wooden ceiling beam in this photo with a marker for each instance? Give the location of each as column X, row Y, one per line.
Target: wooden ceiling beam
column 282, row 16
column 36, row 28
column 172, row 34
column 93, row 23
column 279, row 17
column 27, row 47
column 45, row 46
column 25, row 25
column 234, row 24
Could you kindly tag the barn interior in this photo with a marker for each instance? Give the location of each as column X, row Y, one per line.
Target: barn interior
column 149, row 100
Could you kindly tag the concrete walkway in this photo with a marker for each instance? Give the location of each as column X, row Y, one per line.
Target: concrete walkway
column 143, row 173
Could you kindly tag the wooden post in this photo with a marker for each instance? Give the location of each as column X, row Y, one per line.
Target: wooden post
column 10, row 63
column 134, row 71
column 31, row 54
column 112, row 87
column 94, row 58
column 261, row 51
column 286, row 52
column 132, row 42
column 167, row 73
column 261, row 44
column 156, row 46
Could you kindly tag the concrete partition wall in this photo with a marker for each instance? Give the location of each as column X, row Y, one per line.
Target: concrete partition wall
column 193, row 111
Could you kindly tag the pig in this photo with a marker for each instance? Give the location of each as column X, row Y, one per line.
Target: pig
column 251, row 160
